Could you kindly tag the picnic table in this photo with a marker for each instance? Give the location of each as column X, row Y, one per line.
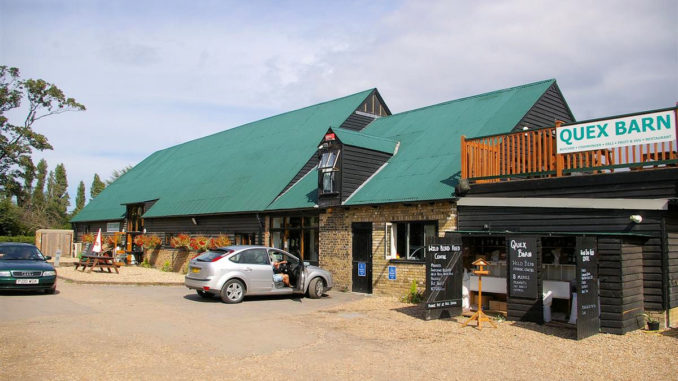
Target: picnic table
column 95, row 260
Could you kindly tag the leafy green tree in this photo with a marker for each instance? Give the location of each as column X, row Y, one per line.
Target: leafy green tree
column 38, row 198
column 58, row 199
column 117, row 173
column 10, row 218
column 18, row 140
column 79, row 198
column 97, row 186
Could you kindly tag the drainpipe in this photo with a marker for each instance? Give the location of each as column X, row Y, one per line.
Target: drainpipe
column 261, row 230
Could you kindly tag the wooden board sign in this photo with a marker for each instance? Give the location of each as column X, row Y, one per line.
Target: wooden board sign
column 523, row 259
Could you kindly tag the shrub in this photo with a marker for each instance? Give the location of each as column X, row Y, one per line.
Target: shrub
column 18, row 238
column 414, row 296
column 180, row 240
column 220, row 241
column 166, row 267
column 199, row 243
column 145, row 264
column 88, row 238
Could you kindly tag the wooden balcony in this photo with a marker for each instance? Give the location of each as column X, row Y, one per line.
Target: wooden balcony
column 532, row 154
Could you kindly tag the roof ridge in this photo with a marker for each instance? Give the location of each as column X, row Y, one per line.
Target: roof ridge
column 360, row 133
column 268, row 117
column 552, row 80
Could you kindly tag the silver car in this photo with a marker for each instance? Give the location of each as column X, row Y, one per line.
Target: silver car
column 235, row 271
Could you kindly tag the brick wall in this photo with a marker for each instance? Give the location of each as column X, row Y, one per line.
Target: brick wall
column 336, row 242
column 177, row 258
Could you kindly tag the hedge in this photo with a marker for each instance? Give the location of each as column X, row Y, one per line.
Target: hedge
column 18, row 238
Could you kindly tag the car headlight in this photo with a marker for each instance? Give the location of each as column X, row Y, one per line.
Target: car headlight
column 4, row 273
column 49, row 273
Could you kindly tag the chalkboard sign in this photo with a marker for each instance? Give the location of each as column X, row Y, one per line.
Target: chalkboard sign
column 444, row 273
column 523, row 259
column 588, row 311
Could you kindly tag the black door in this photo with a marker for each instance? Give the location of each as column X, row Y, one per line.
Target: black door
column 362, row 257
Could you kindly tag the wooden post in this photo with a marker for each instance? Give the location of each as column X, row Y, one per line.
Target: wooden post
column 480, row 316
column 464, row 159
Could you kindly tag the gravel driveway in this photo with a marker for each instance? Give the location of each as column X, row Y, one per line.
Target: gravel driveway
column 167, row 332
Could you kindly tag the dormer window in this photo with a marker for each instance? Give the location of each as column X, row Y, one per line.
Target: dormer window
column 328, row 171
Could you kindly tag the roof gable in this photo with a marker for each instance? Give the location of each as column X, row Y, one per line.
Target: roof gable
column 427, row 164
column 237, row 170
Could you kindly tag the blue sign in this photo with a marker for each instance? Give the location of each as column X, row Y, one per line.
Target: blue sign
column 391, row 273
column 362, row 269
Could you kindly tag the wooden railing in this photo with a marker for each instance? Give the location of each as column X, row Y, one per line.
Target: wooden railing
column 532, row 154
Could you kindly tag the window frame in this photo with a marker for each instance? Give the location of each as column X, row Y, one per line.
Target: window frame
column 391, row 233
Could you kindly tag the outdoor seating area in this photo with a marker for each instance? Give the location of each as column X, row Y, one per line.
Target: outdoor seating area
column 89, row 262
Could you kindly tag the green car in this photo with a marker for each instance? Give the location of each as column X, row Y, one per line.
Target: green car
column 23, row 267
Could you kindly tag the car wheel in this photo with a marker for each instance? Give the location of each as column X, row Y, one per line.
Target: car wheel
column 203, row 294
column 316, row 288
column 233, row 291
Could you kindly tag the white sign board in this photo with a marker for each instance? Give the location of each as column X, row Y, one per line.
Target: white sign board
column 654, row 127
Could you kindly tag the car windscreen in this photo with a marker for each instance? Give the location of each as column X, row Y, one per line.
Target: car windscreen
column 210, row 255
column 27, row 253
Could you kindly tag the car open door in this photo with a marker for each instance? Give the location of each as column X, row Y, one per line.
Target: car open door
column 300, row 274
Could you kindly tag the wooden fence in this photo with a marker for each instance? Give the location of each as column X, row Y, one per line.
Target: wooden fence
column 532, row 154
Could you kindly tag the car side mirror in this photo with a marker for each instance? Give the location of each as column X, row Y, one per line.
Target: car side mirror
column 47, row 257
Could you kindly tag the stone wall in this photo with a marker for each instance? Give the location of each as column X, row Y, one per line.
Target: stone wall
column 336, row 242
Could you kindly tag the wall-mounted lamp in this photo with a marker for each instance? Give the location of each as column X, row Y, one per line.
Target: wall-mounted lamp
column 637, row 218
column 194, row 221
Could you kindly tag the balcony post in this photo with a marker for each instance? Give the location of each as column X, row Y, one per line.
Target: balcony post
column 464, row 158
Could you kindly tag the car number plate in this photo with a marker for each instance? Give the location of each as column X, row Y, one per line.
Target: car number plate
column 195, row 269
column 27, row 281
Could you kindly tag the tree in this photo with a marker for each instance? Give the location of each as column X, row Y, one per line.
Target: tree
column 17, row 140
column 38, row 199
column 117, row 173
column 79, row 198
column 97, row 186
column 58, row 199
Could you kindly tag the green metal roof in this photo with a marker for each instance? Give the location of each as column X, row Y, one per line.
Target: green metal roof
column 359, row 139
column 428, row 161
column 303, row 194
column 238, row 170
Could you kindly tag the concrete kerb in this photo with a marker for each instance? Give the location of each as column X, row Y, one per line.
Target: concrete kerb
column 114, row 283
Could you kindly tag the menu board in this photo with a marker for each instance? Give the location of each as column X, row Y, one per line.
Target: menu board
column 523, row 259
column 588, row 322
column 444, row 273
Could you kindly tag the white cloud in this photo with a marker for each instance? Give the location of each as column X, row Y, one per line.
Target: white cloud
column 154, row 74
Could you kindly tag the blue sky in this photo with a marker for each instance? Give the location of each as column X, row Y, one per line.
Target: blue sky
column 156, row 73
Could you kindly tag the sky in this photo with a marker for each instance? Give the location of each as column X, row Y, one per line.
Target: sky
column 154, row 74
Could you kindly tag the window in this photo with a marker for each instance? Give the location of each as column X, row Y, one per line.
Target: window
column 251, row 257
column 329, row 160
column 329, row 182
column 297, row 235
column 407, row 240
column 328, row 167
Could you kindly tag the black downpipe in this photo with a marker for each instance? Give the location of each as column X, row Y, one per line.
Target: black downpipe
column 260, row 238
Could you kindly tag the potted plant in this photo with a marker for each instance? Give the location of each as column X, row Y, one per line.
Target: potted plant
column 652, row 323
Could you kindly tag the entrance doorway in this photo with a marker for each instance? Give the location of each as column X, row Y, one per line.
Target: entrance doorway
column 362, row 257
